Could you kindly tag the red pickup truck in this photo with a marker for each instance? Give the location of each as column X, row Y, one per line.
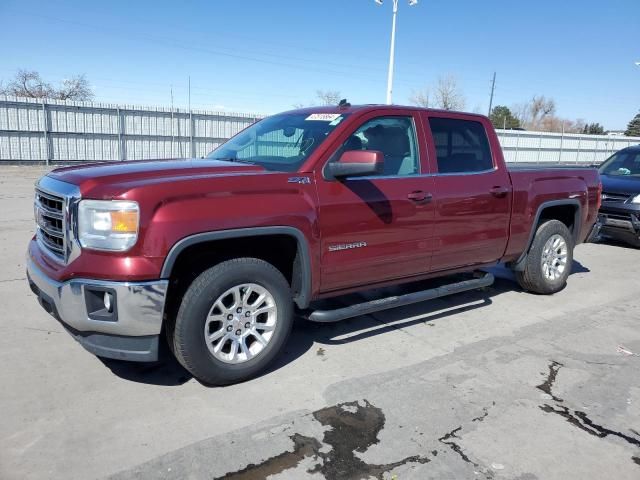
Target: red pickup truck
column 218, row 254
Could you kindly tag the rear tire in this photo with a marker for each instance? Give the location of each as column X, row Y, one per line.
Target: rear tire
column 548, row 263
column 234, row 320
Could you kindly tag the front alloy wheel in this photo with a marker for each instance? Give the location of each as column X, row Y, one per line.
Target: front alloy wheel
column 241, row 323
column 233, row 321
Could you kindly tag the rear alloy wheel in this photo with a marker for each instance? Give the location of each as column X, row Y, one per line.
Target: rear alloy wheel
column 554, row 258
column 233, row 321
column 549, row 260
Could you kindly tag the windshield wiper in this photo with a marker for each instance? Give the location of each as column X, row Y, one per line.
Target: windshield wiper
column 231, row 159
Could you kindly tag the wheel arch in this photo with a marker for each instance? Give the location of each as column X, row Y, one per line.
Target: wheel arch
column 301, row 263
column 550, row 210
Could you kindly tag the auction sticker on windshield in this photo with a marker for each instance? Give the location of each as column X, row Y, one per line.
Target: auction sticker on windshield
column 323, row 117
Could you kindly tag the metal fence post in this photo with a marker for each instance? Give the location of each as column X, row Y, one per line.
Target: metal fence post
column 561, row 144
column 172, row 135
column 539, row 147
column 578, row 152
column 119, row 127
column 45, row 132
column 192, row 150
column 517, row 146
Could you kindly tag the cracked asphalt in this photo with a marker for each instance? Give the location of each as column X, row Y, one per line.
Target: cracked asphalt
column 494, row 383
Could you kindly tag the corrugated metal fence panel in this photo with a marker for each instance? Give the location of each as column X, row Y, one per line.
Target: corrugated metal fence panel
column 540, row 147
column 59, row 131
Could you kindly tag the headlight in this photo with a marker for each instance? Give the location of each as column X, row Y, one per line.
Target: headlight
column 108, row 225
column 636, row 199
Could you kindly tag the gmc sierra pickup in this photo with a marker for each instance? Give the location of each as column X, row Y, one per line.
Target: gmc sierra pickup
column 218, row 254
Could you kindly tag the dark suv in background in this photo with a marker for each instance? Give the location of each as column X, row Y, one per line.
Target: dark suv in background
column 620, row 211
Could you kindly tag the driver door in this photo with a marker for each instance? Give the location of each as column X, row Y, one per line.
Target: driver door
column 378, row 228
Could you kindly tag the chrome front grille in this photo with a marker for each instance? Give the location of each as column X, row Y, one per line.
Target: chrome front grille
column 50, row 223
column 614, row 197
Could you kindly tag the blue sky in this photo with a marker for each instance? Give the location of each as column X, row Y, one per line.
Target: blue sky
column 265, row 56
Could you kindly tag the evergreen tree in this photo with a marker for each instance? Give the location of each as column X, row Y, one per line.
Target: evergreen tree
column 633, row 129
column 501, row 117
column 593, row 129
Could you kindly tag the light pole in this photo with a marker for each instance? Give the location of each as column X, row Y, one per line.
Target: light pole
column 393, row 47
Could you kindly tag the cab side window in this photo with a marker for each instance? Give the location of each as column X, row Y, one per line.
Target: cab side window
column 462, row 146
column 395, row 137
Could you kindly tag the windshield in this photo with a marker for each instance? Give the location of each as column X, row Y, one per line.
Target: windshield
column 282, row 142
column 623, row 163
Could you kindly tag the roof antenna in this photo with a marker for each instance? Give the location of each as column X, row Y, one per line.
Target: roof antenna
column 344, row 104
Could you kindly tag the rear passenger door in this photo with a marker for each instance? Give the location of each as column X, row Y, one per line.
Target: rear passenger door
column 472, row 193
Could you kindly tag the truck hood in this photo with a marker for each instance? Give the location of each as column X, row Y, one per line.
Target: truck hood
column 620, row 184
column 126, row 175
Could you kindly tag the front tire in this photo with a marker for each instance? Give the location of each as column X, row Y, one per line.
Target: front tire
column 548, row 263
column 234, row 320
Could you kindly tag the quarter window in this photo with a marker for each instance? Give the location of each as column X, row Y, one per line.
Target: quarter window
column 461, row 145
column 395, row 137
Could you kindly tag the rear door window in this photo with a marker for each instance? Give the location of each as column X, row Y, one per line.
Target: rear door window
column 461, row 146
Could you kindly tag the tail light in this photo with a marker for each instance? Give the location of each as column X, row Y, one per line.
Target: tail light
column 599, row 203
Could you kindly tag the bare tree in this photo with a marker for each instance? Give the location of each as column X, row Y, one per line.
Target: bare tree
column 75, row 88
column 421, row 98
column 538, row 114
column 448, row 95
column 522, row 112
column 30, row 84
column 541, row 108
column 328, row 97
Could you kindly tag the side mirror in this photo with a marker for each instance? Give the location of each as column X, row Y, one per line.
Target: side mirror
column 357, row 163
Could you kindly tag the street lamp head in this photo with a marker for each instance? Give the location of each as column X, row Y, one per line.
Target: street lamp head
column 411, row 2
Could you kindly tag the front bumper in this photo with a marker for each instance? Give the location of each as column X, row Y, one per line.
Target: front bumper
column 620, row 223
column 131, row 333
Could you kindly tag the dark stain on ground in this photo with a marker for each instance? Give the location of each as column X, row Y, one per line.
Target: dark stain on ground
column 578, row 418
column 448, row 440
column 303, row 447
column 581, row 420
column 636, row 460
column 320, row 352
column 481, row 417
column 354, row 428
column 547, row 386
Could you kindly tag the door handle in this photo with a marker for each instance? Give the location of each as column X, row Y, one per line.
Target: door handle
column 419, row 196
column 499, row 192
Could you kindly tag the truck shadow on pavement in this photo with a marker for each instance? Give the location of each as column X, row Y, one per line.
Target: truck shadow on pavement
column 166, row 371
column 305, row 335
